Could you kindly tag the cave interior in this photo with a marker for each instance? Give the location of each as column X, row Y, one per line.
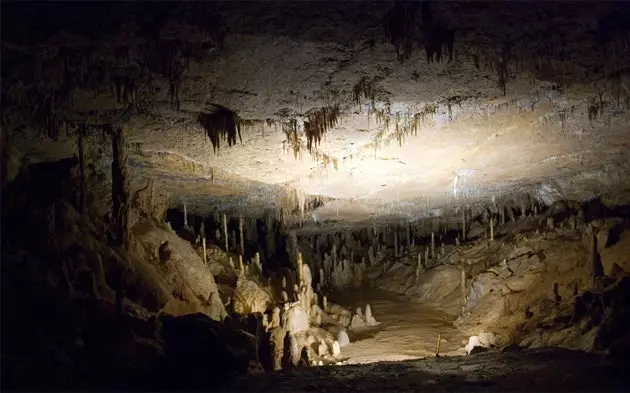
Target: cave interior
column 315, row 195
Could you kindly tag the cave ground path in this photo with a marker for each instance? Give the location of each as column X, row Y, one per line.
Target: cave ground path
column 407, row 330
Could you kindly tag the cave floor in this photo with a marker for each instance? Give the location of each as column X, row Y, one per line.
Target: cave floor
column 407, row 330
column 536, row 370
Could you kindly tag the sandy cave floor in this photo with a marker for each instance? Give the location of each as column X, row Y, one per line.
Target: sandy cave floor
column 407, row 330
column 399, row 355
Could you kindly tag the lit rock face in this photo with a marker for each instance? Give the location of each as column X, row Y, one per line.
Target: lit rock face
column 295, row 319
column 249, row 298
column 510, row 112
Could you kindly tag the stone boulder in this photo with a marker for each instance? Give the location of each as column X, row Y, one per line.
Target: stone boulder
column 249, row 298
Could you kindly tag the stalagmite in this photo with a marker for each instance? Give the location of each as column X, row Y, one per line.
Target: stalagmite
column 419, row 267
column 240, row 264
column 437, row 349
column 369, row 318
column 556, row 295
column 432, row 245
column 491, row 228
column 285, row 296
column 241, row 236
column 275, row 317
column 325, row 303
column 463, row 284
column 502, row 215
column 284, row 282
column 185, row 216
column 335, row 350
column 342, row 338
column 265, row 321
column 595, row 260
column 550, row 223
column 442, row 250
column 299, row 268
column 231, row 262
column 426, row 257
column 205, row 253
column 225, row 234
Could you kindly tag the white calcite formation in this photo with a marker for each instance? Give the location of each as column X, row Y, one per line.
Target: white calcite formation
column 369, row 319
column 343, row 339
column 335, row 349
column 295, row 319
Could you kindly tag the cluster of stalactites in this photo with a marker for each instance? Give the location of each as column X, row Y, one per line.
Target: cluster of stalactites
column 318, row 123
column 221, row 124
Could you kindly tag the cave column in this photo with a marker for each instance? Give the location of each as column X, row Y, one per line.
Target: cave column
column 82, row 180
column 464, row 224
column 240, row 232
column 225, row 233
column 396, row 242
column 120, row 194
column 185, row 216
column 463, row 284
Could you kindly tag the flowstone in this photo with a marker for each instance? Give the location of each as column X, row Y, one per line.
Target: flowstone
column 295, row 318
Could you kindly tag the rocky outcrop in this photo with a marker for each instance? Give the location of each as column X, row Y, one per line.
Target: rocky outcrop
column 179, row 268
column 249, row 297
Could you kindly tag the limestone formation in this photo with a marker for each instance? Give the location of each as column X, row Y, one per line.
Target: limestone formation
column 596, row 269
column 369, row 319
column 357, row 322
column 322, row 349
column 556, row 296
column 335, row 349
column 248, row 297
column 342, row 339
column 295, row 319
column 275, row 318
column 304, row 360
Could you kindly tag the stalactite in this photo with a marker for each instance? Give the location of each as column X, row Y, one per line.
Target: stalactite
column 365, row 89
column 399, row 27
column 221, row 123
column 318, row 123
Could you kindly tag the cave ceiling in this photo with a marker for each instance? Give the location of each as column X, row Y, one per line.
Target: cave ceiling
column 382, row 110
